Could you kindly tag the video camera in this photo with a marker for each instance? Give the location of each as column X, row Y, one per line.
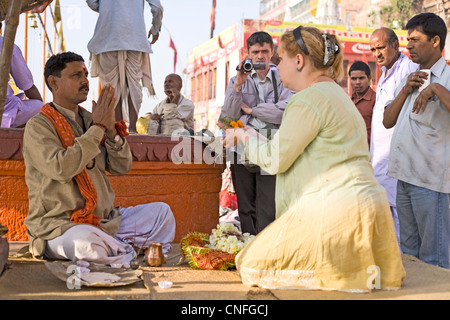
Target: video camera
column 248, row 66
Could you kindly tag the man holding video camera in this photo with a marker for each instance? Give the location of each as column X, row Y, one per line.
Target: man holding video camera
column 257, row 97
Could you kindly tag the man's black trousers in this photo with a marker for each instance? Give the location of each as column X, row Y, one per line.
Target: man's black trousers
column 255, row 192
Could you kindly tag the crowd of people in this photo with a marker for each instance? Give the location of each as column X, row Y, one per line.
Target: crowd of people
column 360, row 179
column 328, row 202
column 331, row 185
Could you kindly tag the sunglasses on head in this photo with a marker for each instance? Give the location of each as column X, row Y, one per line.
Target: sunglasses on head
column 298, row 37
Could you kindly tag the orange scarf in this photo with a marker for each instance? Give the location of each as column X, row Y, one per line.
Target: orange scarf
column 84, row 182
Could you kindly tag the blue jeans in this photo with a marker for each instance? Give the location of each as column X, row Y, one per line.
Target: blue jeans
column 424, row 217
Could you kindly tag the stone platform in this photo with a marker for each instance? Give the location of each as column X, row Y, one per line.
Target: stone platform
column 28, row 279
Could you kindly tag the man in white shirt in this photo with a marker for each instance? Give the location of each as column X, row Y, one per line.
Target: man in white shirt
column 395, row 66
column 120, row 51
column 420, row 148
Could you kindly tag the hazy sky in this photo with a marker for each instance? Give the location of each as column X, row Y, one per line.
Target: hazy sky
column 187, row 21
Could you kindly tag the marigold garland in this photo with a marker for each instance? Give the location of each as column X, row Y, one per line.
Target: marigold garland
column 207, row 252
column 227, row 123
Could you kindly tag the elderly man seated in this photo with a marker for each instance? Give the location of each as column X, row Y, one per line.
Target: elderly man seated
column 174, row 113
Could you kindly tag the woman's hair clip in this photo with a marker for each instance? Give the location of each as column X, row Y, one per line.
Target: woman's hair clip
column 331, row 48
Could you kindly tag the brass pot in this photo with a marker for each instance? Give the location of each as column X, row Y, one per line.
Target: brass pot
column 154, row 256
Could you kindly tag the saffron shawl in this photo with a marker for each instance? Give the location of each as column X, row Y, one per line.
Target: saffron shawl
column 84, row 182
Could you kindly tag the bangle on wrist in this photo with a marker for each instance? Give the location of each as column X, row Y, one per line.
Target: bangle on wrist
column 403, row 90
column 99, row 125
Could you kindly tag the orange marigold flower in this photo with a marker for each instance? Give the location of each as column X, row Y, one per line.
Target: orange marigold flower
column 240, row 124
column 234, row 124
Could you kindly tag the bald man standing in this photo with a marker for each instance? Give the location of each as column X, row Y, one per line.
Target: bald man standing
column 395, row 66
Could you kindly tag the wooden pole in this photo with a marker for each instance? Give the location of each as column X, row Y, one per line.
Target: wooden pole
column 25, row 50
column 43, row 24
column 12, row 21
column 43, row 52
column 56, row 30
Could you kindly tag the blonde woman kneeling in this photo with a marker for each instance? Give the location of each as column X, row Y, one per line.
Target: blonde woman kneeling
column 334, row 229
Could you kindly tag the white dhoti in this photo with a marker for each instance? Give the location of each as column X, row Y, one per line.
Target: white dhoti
column 153, row 222
column 125, row 71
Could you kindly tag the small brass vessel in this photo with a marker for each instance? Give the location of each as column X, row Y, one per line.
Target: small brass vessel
column 154, row 256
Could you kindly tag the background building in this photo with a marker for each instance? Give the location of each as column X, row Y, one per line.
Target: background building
column 212, row 64
column 361, row 13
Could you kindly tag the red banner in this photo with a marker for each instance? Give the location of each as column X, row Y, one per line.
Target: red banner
column 175, row 54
